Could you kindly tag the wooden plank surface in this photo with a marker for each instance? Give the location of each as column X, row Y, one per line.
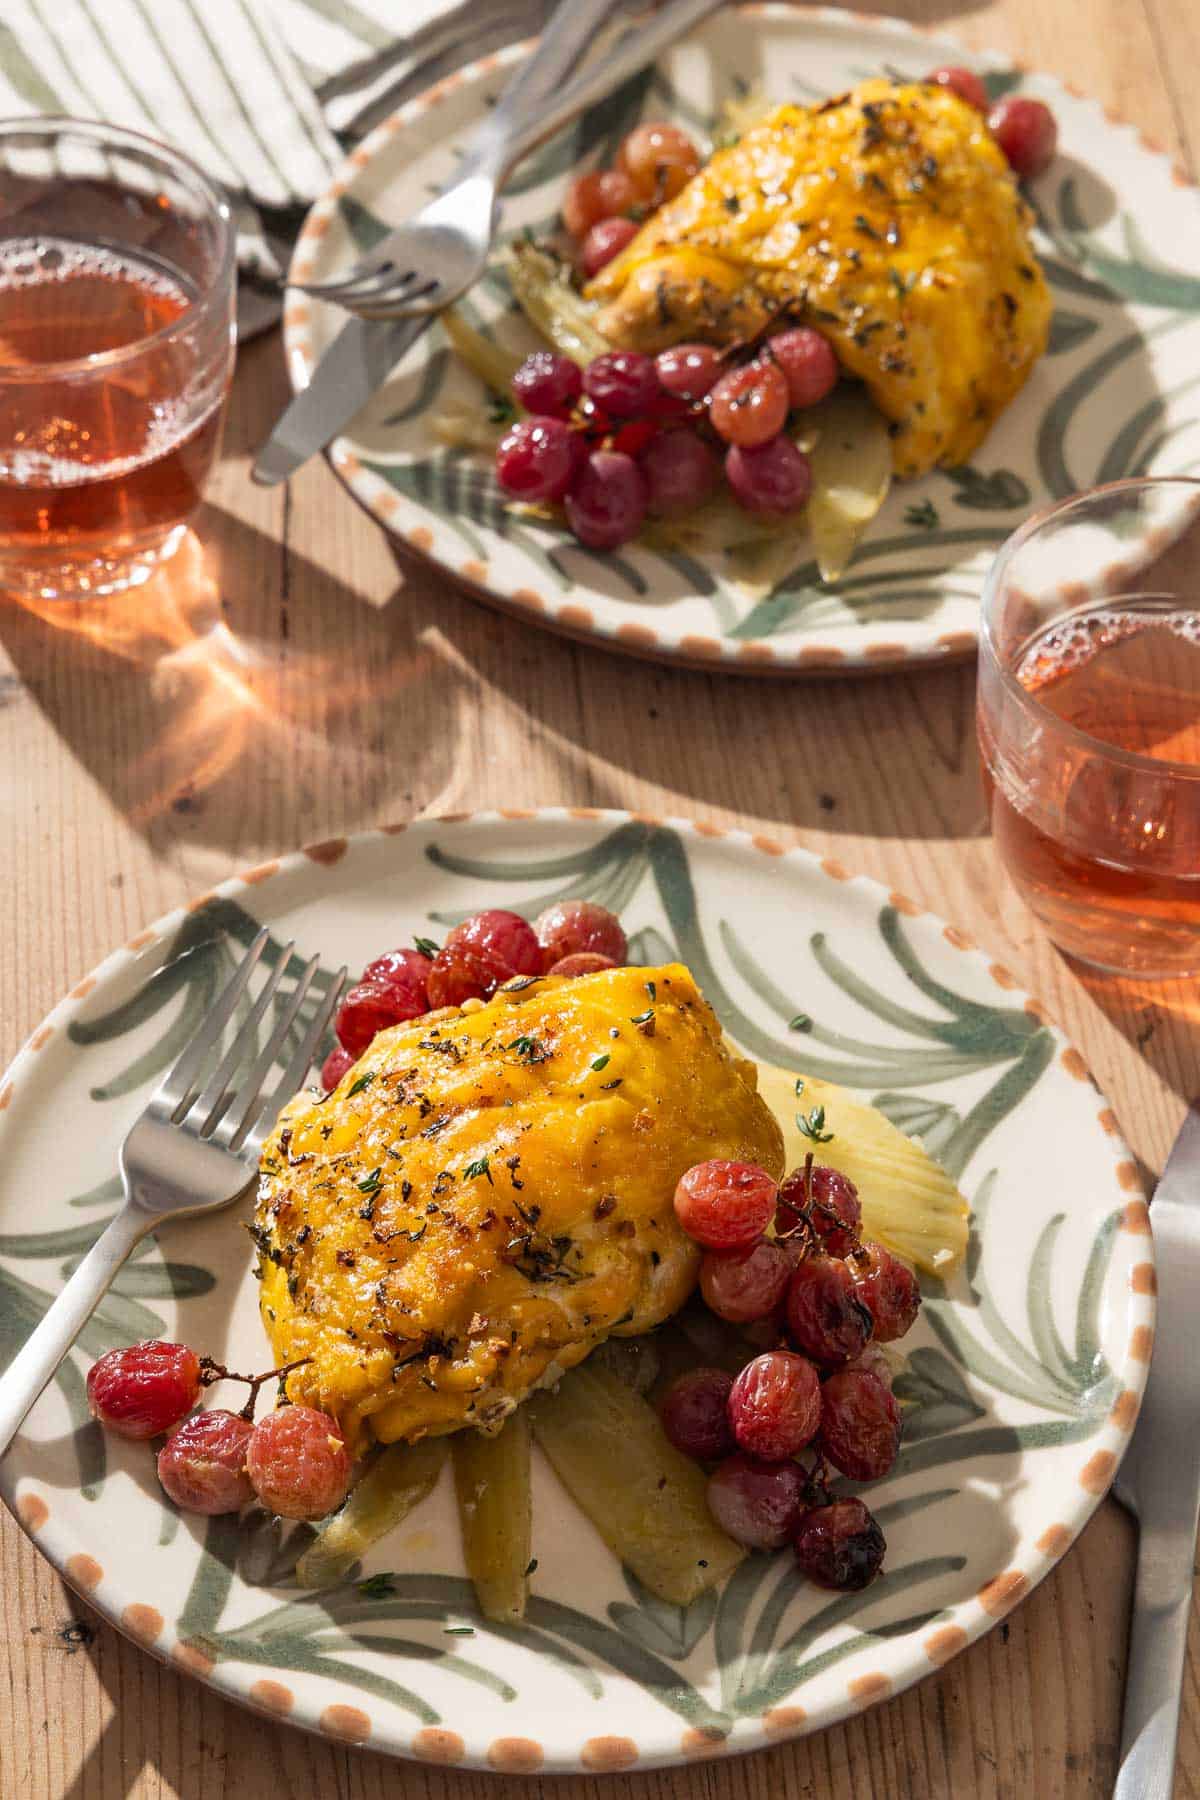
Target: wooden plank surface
column 257, row 702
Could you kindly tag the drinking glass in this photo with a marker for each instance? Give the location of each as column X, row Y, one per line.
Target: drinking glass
column 1089, row 722
column 117, row 281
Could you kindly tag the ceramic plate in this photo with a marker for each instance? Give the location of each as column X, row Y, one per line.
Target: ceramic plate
column 1115, row 395
column 1023, row 1373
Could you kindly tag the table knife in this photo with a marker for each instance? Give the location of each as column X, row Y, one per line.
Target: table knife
column 366, row 351
column 1159, row 1481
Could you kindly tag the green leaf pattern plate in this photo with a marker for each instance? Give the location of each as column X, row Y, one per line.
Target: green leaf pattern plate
column 1115, row 396
column 1021, row 1385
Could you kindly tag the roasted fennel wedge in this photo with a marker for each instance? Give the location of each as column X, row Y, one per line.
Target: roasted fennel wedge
column 398, row 1479
column 646, row 1500
column 542, row 288
column 492, row 1481
column 852, row 472
column 908, row 1201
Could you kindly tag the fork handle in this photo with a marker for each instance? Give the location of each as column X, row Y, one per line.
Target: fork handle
column 36, row 1362
column 565, row 40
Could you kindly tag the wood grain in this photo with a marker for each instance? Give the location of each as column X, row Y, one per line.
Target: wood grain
column 298, row 679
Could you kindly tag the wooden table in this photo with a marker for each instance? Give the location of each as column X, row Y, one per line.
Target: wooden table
column 135, row 770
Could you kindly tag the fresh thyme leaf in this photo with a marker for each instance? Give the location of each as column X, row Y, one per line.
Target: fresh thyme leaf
column 459, row 1630
column 643, row 1017
column 799, row 1086
column 500, row 410
column 813, row 1127
column 369, row 1183
column 527, row 1048
column 427, row 947
column 364, row 1081
column 599, row 1062
column 652, row 989
column 801, row 1022
column 474, row 1170
column 924, row 517
column 377, row 1587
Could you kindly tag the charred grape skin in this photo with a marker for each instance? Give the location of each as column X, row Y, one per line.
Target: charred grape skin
column 368, row 1009
column 298, row 1463
column 860, row 1424
column 607, row 502
column 749, row 406
column 758, row 1504
column 964, row 82
column 660, row 160
column 695, row 1414
column 144, row 1389
column 623, row 382
column 748, row 1285
column 579, row 927
column 888, row 1289
column 606, row 239
column 775, row 478
column 537, row 458
column 809, row 365
column 681, row 472
column 600, row 194
column 688, row 371
column 482, row 953
column 840, row 1545
column 583, row 962
column 202, row 1466
column 775, row 1405
column 406, row 972
column 1027, row 132
column 725, row 1205
column 825, row 1199
column 548, row 384
column 826, row 1317
column 335, row 1066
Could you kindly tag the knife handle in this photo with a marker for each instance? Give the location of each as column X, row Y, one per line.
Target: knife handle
column 1154, row 1670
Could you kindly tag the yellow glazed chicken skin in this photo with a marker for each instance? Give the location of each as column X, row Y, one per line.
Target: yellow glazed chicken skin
column 887, row 218
column 487, row 1195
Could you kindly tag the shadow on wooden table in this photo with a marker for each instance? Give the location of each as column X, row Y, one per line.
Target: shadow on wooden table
column 1139, row 1010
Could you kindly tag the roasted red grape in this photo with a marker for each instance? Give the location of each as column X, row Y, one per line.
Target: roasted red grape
column 202, row 1466
column 840, row 1545
column 749, row 405
column 688, row 370
column 367, row 1009
column 826, row 1317
column 144, row 1389
column 725, row 1205
column 479, row 955
column 583, row 962
column 597, row 195
column 824, row 1198
column 606, row 239
column 758, row 1504
column 695, row 1414
column 607, row 503
column 964, row 82
column 335, row 1066
column 660, row 159
column 623, row 382
column 406, row 972
column 571, row 927
column 888, row 1289
column 681, row 472
column 537, row 457
column 1027, row 132
column 775, row 1405
column 774, row 478
column 298, row 1463
column 873, row 1361
column 809, row 365
column 748, row 1284
column 547, row 383
column 860, row 1424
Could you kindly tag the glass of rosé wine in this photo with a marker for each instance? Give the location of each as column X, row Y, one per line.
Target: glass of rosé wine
column 117, row 281
column 1089, row 722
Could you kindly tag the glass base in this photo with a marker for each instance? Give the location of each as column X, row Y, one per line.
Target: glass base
column 61, row 576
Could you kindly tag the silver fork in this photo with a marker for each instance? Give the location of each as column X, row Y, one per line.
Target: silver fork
column 426, row 263
column 194, row 1149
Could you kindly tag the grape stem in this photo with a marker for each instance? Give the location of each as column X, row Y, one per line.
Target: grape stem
column 805, row 1227
column 212, row 1371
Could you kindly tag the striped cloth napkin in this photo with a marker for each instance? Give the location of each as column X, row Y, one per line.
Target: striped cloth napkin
column 266, row 95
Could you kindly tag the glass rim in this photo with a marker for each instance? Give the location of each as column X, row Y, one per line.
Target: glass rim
column 1131, row 759
column 116, row 136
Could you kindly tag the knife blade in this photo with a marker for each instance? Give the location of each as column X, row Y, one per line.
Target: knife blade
column 1160, row 1482
column 359, row 360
